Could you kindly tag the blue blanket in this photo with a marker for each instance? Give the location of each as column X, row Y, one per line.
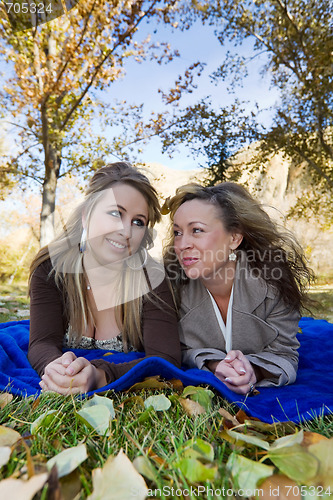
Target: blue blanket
column 311, row 395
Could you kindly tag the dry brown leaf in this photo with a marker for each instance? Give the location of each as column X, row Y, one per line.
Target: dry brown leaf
column 192, row 408
column 229, row 421
column 5, row 398
column 149, row 383
column 176, row 384
column 279, row 487
column 312, row 438
column 160, row 461
column 138, row 400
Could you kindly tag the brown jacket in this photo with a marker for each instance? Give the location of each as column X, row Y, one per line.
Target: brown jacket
column 264, row 328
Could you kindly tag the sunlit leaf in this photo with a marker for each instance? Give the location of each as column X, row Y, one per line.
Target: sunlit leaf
column 5, row 398
column 289, row 440
column 323, row 451
column 8, row 436
column 295, row 462
column 145, row 468
column 279, row 487
column 158, row 402
column 100, row 400
column 68, row 460
column 44, row 420
column 118, row 480
column 197, row 448
column 22, row 490
column 247, row 473
column 199, row 394
column 98, row 417
column 247, row 438
column 195, row 471
column 192, row 408
column 5, row 452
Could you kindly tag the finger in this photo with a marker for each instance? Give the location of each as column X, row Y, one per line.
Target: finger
column 53, row 368
column 76, row 366
column 50, row 385
column 232, row 355
column 67, row 358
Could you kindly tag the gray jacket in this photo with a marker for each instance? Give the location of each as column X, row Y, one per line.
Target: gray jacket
column 263, row 327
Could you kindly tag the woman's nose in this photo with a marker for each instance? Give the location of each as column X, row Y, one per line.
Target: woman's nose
column 185, row 242
column 126, row 230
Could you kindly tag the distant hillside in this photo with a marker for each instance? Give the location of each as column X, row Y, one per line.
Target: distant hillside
column 277, row 186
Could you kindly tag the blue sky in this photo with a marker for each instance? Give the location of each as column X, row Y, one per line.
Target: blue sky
column 142, row 82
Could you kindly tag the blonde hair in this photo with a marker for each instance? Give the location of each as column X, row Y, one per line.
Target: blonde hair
column 268, row 244
column 67, row 261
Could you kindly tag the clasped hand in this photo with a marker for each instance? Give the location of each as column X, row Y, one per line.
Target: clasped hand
column 236, row 372
column 69, row 374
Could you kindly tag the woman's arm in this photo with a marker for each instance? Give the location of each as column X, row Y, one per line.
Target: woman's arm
column 47, row 319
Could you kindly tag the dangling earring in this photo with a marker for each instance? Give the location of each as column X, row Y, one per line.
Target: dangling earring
column 232, row 256
column 83, row 241
column 142, row 263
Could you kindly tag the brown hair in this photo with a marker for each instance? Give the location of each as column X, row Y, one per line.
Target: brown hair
column 266, row 244
column 67, row 264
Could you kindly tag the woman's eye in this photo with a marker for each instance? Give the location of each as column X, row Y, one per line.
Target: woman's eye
column 176, row 233
column 197, row 230
column 115, row 213
column 138, row 222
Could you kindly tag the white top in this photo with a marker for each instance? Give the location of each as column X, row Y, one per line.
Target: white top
column 225, row 328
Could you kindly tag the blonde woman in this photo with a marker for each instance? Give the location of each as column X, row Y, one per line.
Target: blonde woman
column 95, row 286
column 240, row 282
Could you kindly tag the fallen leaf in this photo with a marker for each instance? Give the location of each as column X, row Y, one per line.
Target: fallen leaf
column 149, row 383
column 192, row 408
column 289, row 440
column 68, row 460
column 197, row 448
column 195, row 471
column 8, row 436
column 98, row 417
column 132, row 399
column 229, row 421
column 312, row 438
column 279, row 487
column 323, row 451
column 5, row 398
column 100, row 400
column 158, row 402
column 5, row 452
column 44, row 420
column 118, row 480
column 22, row 490
column 70, row 485
column 200, row 395
column 295, row 462
column 247, row 438
column 247, row 473
column 145, row 468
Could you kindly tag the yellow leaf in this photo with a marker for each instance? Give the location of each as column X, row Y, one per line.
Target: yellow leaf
column 8, row 436
column 323, row 451
column 5, row 398
column 279, row 487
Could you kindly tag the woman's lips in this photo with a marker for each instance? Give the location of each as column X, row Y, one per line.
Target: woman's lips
column 188, row 261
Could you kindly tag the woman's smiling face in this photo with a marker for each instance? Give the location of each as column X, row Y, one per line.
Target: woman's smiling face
column 201, row 242
column 117, row 224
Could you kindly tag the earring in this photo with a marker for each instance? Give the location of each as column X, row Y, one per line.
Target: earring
column 232, row 256
column 142, row 263
column 83, row 241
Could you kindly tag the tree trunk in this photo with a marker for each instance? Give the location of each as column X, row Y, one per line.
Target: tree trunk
column 48, row 200
column 52, row 161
